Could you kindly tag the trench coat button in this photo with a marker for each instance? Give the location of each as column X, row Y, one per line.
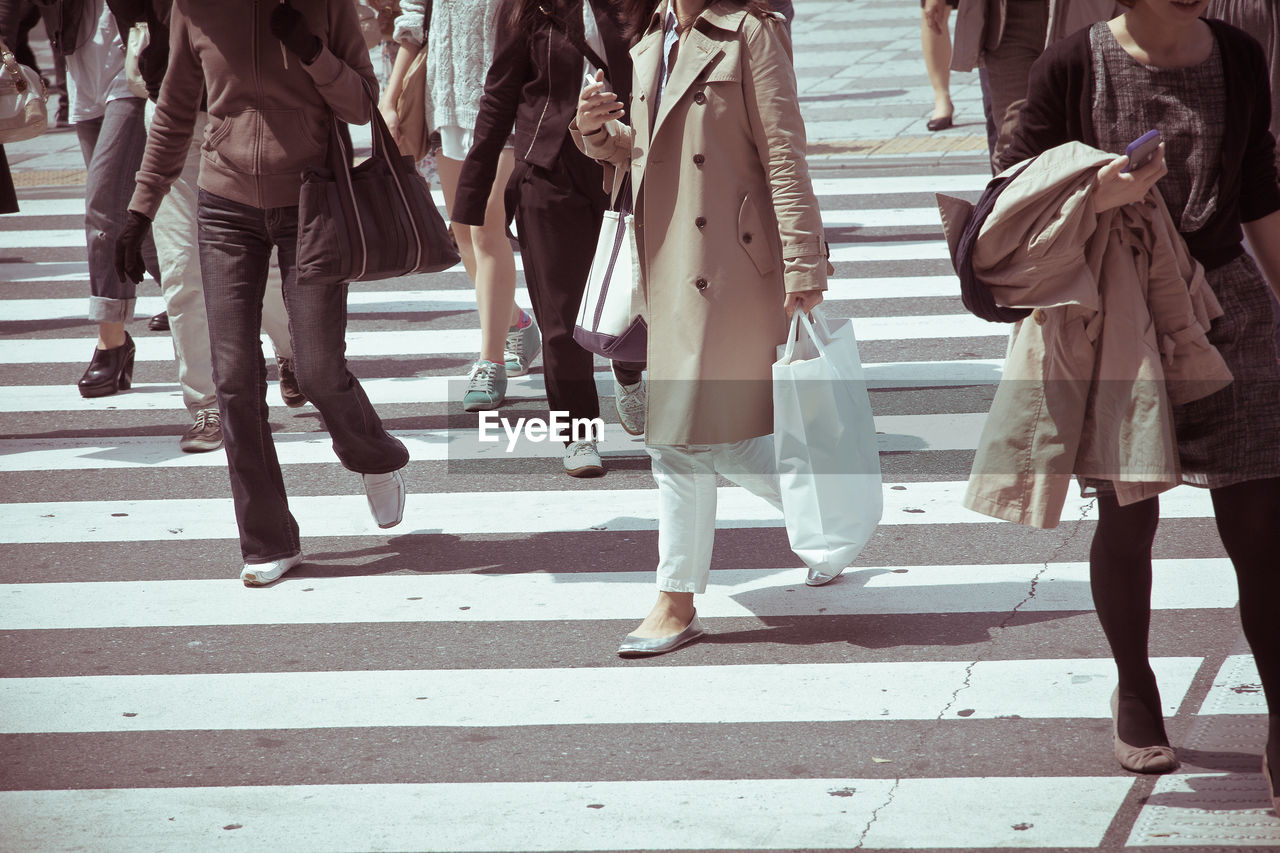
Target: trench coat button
column 701, row 222
column 699, row 99
column 701, row 284
column 746, row 238
column 1038, row 316
column 698, row 159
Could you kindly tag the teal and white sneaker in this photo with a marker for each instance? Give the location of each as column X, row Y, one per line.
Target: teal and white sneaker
column 523, row 346
column 487, row 387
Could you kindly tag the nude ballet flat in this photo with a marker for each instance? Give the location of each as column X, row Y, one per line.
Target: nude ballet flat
column 1139, row 759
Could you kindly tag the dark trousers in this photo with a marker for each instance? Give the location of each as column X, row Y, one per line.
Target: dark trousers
column 558, row 214
column 235, row 249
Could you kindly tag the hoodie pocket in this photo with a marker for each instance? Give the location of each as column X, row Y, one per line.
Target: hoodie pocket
column 268, row 142
column 752, row 237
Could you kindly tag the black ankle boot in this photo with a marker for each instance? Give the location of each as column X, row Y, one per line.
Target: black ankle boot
column 111, row 370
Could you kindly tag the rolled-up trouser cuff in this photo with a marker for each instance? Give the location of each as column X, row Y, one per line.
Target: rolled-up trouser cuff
column 105, row 310
column 669, row 585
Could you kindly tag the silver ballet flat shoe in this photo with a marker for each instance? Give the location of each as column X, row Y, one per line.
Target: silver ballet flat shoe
column 635, row 647
column 817, row 578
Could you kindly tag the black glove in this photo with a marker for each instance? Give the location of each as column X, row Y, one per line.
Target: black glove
column 288, row 25
column 129, row 263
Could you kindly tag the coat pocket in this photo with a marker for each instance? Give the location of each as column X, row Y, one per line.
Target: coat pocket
column 752, row 237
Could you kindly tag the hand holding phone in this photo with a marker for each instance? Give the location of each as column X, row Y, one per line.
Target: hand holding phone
column 588, row 80
column 1141, row 150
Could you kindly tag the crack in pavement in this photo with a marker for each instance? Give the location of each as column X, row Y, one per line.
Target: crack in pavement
column 968, row 670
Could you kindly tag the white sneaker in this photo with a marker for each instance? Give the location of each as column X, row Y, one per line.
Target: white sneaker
column 630, row 401
column 386, row 497
column 261, row 574
column 582, row 459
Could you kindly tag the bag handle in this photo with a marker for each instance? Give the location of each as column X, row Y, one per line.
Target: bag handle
column 820, row 336
column 15, row 71
column 620, row 200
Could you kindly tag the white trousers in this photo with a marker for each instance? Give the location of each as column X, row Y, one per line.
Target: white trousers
column 686, row 478
column 174, row 231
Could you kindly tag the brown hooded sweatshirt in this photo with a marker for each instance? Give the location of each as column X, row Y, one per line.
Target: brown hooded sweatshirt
column 268, row 112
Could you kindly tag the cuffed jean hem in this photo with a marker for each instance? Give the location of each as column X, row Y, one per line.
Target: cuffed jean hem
column 669, row 585
column 103, row 309
column 262, row 561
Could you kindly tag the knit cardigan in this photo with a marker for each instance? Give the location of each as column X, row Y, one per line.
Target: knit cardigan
column 460, row 44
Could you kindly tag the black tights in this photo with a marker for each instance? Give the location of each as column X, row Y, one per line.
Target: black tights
column 1248, row 517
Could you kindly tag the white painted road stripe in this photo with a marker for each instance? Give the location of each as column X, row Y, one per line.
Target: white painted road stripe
column 440, row 389
column 405, row 344
column 729, row 814
column 557, row 597
column 404, row 301
column 1236, row 689
column 898, row 433
column 636, row 695
column 464, row 513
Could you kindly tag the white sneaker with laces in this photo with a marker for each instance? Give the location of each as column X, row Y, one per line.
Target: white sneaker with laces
column 261, row 574
column 386, row 497
column 582, row 459
column 630, row 401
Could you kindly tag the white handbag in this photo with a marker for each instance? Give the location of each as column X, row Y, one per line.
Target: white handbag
column 24, row 111
column 825, row 442
column 611, row 317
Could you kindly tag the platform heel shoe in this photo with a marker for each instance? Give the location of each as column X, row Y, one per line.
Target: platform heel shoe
column 111, row 370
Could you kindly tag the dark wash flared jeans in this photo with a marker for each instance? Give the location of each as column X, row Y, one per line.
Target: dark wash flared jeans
column 235, row 250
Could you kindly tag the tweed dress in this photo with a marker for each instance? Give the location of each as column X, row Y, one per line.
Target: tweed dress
column 1234, row 435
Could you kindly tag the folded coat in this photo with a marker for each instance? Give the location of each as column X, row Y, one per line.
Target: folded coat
column 1115, row 339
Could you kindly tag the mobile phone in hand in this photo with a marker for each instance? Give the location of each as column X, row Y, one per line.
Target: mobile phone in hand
column 1141, row 150
column 611, row 127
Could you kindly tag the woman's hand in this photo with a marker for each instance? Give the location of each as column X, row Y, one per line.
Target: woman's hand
column 805, row 300
column 596, row 107
column 391, row 118
column 1114, row 188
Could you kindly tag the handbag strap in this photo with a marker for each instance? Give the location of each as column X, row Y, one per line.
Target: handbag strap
column 15, row 71
column 620, row 200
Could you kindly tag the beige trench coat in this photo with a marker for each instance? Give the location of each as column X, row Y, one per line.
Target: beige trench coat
column 1117, row 337
column 726, row 219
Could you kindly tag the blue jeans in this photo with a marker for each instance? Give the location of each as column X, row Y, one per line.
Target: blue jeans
column 112, row 147
column 235, row 249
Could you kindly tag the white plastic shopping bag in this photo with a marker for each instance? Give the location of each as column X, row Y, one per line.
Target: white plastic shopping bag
column 825, row 441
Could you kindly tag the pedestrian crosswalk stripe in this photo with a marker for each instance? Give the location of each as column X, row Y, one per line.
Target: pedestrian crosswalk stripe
column 1182, row 584
column 441, row 389
column 447, row 341
column 1041, row 688
column 460, row 513
column 899, row 433
column 1236, row 689
column 665, row 814
column 409, row 301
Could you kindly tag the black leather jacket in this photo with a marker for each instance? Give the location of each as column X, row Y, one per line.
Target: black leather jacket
column 533, row 86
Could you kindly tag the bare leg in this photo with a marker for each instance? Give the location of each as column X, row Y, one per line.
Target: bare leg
column 487, row 257
column 935, row 42
column 110, row 335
